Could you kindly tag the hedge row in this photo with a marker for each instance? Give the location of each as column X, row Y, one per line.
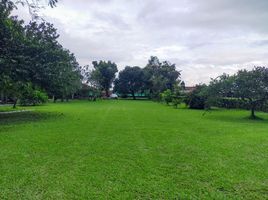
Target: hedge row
column 236, row 103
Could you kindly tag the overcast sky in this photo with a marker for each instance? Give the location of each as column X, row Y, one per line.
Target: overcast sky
column 203, row 37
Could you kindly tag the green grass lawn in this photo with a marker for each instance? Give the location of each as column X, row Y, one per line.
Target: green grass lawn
column 132, row 150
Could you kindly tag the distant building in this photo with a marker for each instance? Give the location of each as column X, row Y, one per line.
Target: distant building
column 189, row 89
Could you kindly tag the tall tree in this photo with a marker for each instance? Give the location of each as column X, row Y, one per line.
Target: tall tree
column 32, row 54
column 160, row 76
column 103, row 74
column 130, row 81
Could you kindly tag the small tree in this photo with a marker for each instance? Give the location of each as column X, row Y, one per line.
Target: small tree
column 166, row 96
column 176, row 96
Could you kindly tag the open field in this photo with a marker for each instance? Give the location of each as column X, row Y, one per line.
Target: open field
column 132, row 150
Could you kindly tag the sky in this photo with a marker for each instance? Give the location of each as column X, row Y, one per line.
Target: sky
column 204, row 38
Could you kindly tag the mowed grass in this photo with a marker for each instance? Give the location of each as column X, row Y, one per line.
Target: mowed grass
column 132, row 150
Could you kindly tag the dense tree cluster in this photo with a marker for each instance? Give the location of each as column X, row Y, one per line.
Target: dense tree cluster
column 150, row 81
column 30, row 56
column 154, row 78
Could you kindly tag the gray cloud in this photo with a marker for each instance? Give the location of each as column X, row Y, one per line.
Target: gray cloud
column 203, row 37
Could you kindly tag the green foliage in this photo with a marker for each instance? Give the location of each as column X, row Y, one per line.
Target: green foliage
column 160, row 76
column 166, row 96
column 198, row 98
column 31, row 54
column 176, row 101
column 130, row 81
column 229, row 102
column 32, row 96
column 103, row 75
column 248, row 86
column 88, row 92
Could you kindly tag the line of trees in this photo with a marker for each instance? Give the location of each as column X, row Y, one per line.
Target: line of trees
column 153, row 79
column 31, row 60
column 35, row 66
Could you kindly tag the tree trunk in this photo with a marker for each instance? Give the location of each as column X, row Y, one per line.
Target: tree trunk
column 2, row 97
column 253, row 116
column 107, row 93
column 133, row 95
column 15, row 103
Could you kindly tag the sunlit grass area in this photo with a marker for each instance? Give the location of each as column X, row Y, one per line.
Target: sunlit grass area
column 132, row 150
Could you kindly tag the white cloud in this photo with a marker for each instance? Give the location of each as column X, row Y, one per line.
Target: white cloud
column 204, row 38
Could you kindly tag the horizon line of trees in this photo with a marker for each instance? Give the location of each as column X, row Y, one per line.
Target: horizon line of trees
column 153, row 79
column 35, row 66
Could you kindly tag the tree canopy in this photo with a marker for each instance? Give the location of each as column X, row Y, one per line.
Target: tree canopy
column 103, row 75
column 160, row 76
column 31, row 54
column 249, row 86
column 130, row 81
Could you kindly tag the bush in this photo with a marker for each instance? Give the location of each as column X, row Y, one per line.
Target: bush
column 176, row 102
column 31, row 96
column 236, row 103
column 197, row 99
column 231, row 103
column 166, row 96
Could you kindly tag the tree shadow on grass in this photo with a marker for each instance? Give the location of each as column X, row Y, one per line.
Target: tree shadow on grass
column 237, row 118
column 27, row 117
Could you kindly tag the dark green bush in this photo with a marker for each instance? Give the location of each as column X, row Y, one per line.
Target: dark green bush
column 197, row 99
column 236, row 103
column 31, row 96
column 166, row 96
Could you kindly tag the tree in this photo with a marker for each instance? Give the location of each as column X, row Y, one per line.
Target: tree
column 160, row 76
column 248, row 86
column 130, row 81
column 103, row 75
column 252, row 86
column 32, row 54
column 12, row 68
column 52, row 67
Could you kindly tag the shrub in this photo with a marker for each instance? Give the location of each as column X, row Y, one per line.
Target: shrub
column 166, row 96
column 176, row 102
column 31, row 96
column 197, row 99
column 237, row 103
